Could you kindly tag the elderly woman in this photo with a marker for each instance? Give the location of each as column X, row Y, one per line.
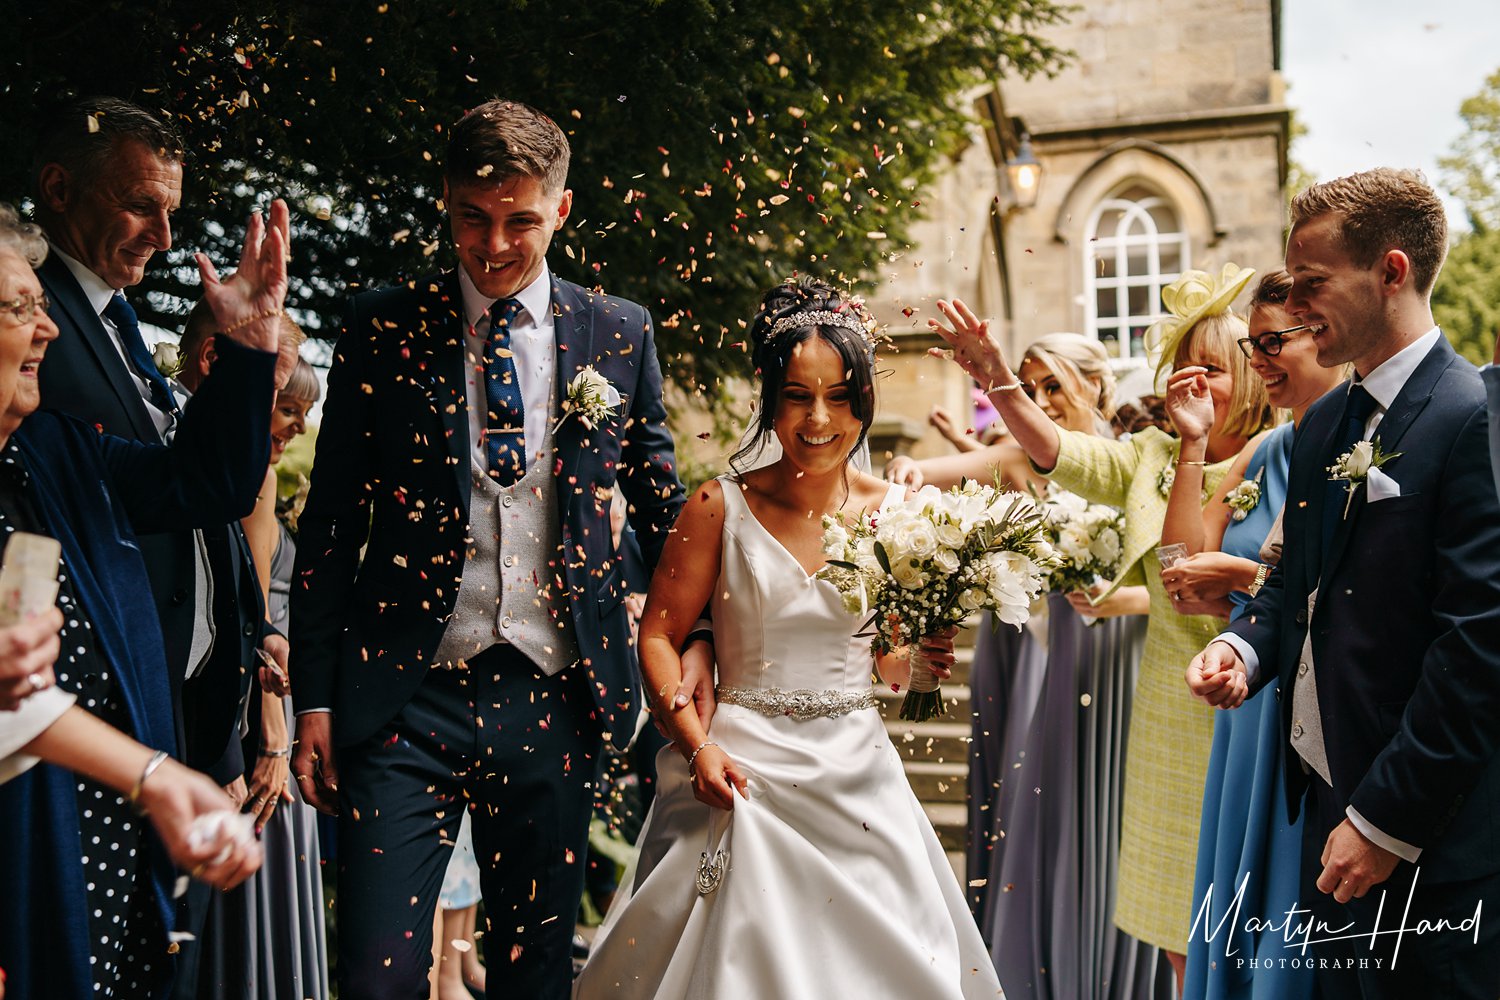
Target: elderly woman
column 89, row 908
column 1170, row 735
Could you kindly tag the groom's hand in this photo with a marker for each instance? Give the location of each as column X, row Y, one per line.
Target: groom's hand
column 1352, row 863
column 313, row 765
column 1217, row 677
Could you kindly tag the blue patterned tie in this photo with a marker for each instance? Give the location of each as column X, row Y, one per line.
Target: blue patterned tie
column 122, row 316
column 1356, row 414
column 505, row 426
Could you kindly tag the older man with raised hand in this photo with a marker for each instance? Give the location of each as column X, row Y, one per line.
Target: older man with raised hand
column 1383, row 618
column 108, row 176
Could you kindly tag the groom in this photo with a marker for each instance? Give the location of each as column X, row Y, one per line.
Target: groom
column 1383, row 619
column 459, row 632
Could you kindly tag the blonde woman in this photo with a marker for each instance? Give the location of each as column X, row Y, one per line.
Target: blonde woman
column 1169, row 733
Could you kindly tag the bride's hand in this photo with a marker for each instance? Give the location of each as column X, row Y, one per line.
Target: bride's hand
column 716, row 777
column 937, row 652
column 971, row 345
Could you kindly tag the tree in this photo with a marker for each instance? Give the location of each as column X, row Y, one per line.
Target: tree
column 718, row 145
column 1466, row 299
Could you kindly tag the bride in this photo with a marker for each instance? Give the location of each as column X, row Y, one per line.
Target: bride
column 789, row 858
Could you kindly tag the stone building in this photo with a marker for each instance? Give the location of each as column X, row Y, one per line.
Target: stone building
column 1163, row 146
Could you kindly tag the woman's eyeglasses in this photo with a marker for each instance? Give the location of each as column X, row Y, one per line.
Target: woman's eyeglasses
column 24, row 307
column 1268, row 344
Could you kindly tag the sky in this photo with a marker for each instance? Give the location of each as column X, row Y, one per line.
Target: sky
column 1379, row 82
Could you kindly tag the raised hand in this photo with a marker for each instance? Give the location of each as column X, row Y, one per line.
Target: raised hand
column 247, row 306
column 971, row 345
column 1217, row 677
column 1189, row 404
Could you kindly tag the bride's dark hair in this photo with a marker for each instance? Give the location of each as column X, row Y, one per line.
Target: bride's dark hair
column 773, row 352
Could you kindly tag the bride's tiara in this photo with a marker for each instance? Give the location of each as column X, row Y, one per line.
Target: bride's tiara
column 849, row 320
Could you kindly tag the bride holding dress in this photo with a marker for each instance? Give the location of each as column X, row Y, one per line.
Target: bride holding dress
column 790, row 858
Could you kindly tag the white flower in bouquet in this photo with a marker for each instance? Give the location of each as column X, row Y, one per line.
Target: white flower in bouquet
column 1073, row 542
column 1106, row 546
column 931, row 562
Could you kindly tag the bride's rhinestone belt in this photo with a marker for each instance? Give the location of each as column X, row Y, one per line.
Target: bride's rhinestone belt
column 802, row 704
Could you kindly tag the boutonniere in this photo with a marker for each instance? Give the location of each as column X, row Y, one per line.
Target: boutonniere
column 167, row 357
column 591, row 396
column 1355, row 464
column 1166, row 477
column 1245, row 497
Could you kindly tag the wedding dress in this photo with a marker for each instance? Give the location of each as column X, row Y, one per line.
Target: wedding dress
column 832, row 882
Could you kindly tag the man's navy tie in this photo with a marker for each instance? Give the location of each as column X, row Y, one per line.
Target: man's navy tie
column 122, row 316
column 505, row 428
column 1357, row 412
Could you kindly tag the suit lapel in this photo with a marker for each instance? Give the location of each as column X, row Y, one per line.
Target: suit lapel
column 68, row 297
column 1404, row 410
column 440, row 307
column 573, row 329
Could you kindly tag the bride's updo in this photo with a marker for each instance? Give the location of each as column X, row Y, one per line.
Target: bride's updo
column 794, row 311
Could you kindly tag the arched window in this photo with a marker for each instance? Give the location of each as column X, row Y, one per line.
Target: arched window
column 1135, row 245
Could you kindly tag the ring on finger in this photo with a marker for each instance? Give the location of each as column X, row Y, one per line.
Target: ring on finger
column 36, row 680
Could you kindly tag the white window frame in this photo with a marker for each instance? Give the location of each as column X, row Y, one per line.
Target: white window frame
column 1118, row 245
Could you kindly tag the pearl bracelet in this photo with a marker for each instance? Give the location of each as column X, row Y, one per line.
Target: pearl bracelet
column 694, row 755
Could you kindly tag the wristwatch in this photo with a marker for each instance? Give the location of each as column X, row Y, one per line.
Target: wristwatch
column 1261, row 572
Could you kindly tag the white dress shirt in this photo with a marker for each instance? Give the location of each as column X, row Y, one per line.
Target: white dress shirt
column 533, row 342
column 1383, row 384
column 98, row 294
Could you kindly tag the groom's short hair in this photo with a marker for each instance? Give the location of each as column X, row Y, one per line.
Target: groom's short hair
column 1383, row 209
column 500, row 140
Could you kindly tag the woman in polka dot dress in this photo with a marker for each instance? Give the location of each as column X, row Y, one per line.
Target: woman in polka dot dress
column 87, row 903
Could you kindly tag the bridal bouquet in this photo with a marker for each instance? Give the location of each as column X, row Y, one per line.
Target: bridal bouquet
column 931, row 562
column 1085, row 540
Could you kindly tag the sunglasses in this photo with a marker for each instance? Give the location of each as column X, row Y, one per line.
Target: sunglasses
column 1268, row 344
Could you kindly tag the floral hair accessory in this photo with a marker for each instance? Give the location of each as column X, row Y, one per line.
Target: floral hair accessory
column 1193, row 297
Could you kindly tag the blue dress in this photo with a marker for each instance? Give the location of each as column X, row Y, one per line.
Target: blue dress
column 1245, row 835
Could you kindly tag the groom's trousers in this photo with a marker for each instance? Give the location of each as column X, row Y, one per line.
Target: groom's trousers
column 1431, row 959
column 518, row 748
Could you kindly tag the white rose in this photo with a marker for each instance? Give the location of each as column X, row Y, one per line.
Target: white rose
column 1106, row 547
column 1073, row 543
column 945, row 560
column 1360, row 457
column 589, row 384
column 864, row 555
column 972, row 599
column 835, row 539
column 908, row 573
column 950, row 533
column 167, row 357
column 1041, row 550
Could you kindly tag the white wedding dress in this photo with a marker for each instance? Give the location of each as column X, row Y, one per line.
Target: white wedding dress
column 834, row 885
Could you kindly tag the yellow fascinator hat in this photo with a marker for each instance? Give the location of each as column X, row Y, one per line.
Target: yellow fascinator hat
column 1194, row 296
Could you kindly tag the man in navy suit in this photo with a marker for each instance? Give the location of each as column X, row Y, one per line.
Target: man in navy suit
column 1383, row 618
column 459, row 632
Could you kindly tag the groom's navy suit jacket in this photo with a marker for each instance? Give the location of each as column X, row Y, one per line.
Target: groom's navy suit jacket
column 392, row 477
column 1406, row 631
column 85, row 376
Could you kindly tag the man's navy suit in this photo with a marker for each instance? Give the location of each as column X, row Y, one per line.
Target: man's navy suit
column 1406, row 650
column 380, row 556
column 85, row 376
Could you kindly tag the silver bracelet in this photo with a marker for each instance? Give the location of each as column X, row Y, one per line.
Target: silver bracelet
column 283, row 752
column 157, row 759
column 694, row 755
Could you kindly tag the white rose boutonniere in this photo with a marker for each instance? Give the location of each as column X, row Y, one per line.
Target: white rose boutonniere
column 591, row 396
column 167, row 357
column 1245, row 497
column 1355, row 464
